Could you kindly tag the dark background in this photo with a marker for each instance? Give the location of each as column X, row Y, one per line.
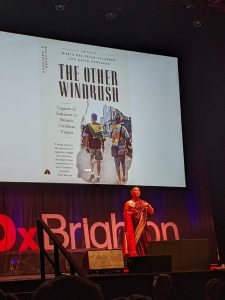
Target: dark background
column 158, row 27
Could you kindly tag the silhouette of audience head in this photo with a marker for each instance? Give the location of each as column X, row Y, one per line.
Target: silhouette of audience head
column 162, row 287
column 220, row 291
column 4, row 296
column 68, row 288
column 211, row 288
column 215, row 289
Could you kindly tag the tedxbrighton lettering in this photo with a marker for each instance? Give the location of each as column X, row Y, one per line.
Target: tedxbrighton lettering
column 26, row 238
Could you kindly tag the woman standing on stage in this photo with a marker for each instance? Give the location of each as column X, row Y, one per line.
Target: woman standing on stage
column 136, row 236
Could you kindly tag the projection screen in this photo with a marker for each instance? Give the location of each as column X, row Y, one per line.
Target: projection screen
column 49, row 90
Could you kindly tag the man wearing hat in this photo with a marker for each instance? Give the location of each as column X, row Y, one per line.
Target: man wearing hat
column 120, row 136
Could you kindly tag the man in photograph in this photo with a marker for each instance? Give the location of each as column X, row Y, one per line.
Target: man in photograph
column 94, row 146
